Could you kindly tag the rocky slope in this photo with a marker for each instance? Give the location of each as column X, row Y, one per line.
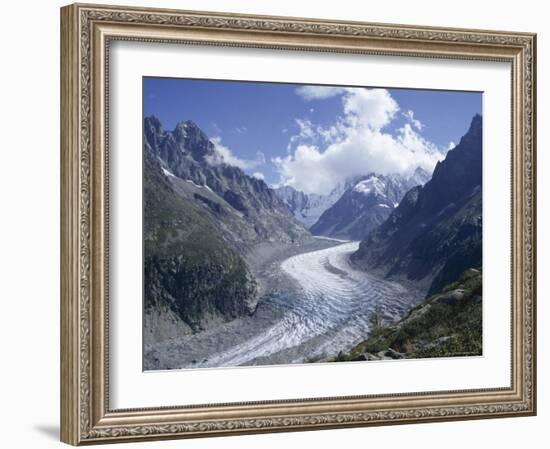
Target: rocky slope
column 365, row 205
column 191, row 275
column 448, row 324
column 201, row 216
column 435, row 232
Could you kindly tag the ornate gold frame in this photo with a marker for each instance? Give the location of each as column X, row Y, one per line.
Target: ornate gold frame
column 86, row 31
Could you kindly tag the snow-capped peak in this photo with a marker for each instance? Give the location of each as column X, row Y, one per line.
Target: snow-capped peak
column 371, row 185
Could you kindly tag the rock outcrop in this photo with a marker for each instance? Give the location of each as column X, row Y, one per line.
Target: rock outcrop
column 436, row 231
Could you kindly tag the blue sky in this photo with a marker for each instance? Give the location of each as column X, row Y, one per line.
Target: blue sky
column 284, row 132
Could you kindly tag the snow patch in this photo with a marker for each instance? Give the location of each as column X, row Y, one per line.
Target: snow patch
column 324, row 237
column 198, row 185
column 168, row 172
column 192, row 182
column 371, row 185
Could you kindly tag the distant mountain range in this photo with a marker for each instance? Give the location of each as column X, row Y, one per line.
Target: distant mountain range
column 435, row 233
column 365, row 205
column 307, row 208
column 353, row 207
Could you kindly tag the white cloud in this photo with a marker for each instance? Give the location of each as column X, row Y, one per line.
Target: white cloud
column 225, row 156
column 321, row 157
column 375, row 107
column 258, row 175
column 451, row 145
column 308, row 132
column 319, row 92
column 241, row 129
column 369, row 108
column 307, row 129
column 409, row 115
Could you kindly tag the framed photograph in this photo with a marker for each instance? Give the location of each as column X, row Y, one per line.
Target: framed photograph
column 281, row 224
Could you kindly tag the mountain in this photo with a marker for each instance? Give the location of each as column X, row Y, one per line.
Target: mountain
column 365, row 205
column 192, row 276
column 201, row 217
column 435, row 233
column 307, row 208
column 257, row 212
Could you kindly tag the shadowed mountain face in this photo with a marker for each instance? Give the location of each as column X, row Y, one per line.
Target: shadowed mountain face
column 366, row 204
column 435, row 233
column 201, row 216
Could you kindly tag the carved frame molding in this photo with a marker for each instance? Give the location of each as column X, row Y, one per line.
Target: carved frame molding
column 87, row 31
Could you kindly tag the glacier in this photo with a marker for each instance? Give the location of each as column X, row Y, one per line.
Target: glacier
column 328, row 310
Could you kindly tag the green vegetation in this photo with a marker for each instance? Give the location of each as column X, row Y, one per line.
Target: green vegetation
column 187, row 264
column 448, row 324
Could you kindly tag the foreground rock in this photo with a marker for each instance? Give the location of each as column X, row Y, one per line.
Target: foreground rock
column 448, row 324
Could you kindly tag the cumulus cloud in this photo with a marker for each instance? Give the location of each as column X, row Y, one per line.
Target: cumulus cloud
column 225, row 156
column 258, row 175
column 319, row 92
column 369, row 108
column 356, row 143
column 308, row 131
column 409, row 115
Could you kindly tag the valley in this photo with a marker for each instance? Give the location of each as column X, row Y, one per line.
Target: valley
column 314, row 305
column 239, row 273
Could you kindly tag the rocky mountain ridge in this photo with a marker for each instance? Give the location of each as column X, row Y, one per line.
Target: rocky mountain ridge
column 436, row 231
column 366, row 204
column 188, row 154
